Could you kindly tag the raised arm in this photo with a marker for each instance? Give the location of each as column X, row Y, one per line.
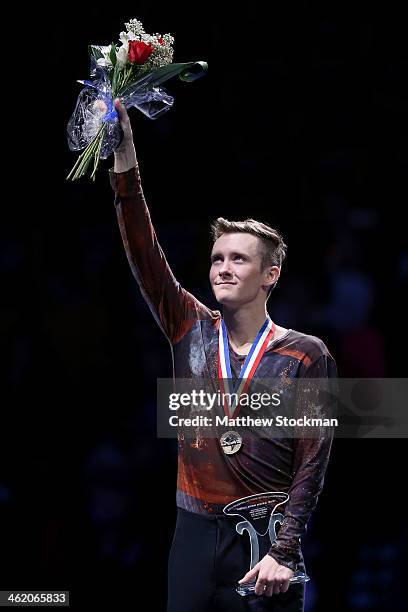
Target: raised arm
column 174, row 308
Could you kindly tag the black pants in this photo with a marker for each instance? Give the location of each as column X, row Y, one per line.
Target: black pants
column 207, row 559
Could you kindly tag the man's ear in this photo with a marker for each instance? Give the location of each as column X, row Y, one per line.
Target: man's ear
column 271, row 275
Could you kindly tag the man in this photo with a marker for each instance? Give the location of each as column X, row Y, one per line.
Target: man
column 208, row 557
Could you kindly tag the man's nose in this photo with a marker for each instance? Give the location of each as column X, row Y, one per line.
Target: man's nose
column 225, row 268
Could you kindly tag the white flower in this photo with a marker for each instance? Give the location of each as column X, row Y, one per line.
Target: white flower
column 135, row 26
column 124, row 37
column 122, row 55
column 105, row 50
column 105, row 61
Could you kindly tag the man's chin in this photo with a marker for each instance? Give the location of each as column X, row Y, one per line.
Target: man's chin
column 227, row 300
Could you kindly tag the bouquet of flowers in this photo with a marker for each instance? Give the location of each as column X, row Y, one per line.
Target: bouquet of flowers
column 131, row 71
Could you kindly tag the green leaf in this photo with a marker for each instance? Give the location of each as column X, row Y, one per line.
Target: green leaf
column 116, row 73
column 193, row 71
column 188, row 71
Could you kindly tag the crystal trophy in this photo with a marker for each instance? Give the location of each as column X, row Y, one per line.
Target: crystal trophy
column 260, row 520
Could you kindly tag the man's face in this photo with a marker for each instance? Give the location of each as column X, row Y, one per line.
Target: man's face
column 235, row 275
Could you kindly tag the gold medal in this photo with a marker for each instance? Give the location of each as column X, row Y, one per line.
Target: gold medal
column 231, row 442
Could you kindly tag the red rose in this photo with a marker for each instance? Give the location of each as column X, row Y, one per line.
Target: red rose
column 161, row 41
column 139, row 52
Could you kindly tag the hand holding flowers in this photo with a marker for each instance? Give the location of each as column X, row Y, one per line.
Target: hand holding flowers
column 131, row 71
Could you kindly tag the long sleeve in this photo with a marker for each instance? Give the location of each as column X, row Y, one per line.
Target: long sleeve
column 174, row 308
column 310, row 459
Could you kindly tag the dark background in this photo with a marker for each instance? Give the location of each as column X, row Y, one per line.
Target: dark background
column 301, row 122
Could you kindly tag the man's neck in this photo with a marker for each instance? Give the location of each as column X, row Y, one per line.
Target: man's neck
column 243, row 324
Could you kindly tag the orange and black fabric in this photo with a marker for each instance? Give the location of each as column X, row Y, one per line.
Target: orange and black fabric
column 208, row 479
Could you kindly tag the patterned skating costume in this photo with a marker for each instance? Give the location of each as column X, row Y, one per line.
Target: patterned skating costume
column 208, row 479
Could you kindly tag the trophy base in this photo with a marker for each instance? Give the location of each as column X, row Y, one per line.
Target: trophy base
column 249, row 587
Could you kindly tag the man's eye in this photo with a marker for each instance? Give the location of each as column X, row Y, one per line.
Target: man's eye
column 239, row 257
column 216, row 259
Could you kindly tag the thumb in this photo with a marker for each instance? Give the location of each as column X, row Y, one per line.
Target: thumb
column 118, row 104
column 251, row 575
column 122, row 112
column 124, row 122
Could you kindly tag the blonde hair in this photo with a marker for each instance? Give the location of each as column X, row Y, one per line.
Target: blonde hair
column 272, row 247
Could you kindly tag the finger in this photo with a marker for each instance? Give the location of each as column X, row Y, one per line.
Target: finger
column 277, row 588
column 100, row 106
column 118, row 105
column 121, row 110
column 251, row 575
column 268, row 591
column 260, row 586
column 285, row 586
